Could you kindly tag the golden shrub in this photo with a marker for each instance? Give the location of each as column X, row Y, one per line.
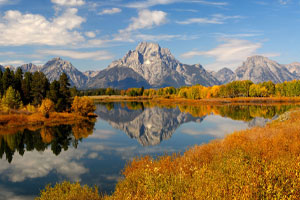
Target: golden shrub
column 69, row 191
column 46, row 107
column 83, row 105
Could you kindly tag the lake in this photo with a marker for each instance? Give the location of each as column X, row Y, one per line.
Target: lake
column 94, row 153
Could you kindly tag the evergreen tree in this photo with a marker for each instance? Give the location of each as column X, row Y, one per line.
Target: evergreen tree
column 54, row 93
column 26, row 88
column 18, row 82
column 1, row 85
column 64, row 102
column 39, row 87
column 7, row 79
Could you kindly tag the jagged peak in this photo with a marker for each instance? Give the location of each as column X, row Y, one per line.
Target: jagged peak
column 257, row 58
column 142, row 47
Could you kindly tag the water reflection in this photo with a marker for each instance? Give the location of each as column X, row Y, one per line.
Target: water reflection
column 58, row 138
column 150, row 123
column 95, row 153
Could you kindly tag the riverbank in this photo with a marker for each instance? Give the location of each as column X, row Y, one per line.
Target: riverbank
column 9, row 123
column 258, row 163
column 177, row 100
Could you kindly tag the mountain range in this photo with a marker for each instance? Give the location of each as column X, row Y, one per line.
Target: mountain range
column 151, row 66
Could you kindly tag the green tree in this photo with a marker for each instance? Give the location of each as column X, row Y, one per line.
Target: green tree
column 18, row 82
column 11, row 99
column 26, row 88
column 39, row 87
column 64, row 102
column 7, row 79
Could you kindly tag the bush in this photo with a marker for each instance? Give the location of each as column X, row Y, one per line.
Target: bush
column 46, row 107
column 69, row 191
column 83, row 105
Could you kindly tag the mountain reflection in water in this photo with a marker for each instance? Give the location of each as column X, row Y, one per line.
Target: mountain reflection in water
column 94, row 153
column 150, row 124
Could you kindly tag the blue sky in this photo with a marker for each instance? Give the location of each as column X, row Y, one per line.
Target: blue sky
column 91, row 34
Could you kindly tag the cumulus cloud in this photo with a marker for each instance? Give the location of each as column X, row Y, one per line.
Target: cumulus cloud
column 110, row 11
column 147, row 19
column 68, row 2
column 94, row 55
column 216, row 126
column 215, row 19
column 90, row 34
column 229, row 54
column 37, row 165
column 24, row 29
column 150, row 3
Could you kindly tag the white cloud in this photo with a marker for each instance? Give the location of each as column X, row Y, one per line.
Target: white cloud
column 221, row 127
column 229, row 54
column 147, row 19
column 150, row 3
column 284, row 2
column 95, row 55
column 90, row 34
column 145, row 37
column 12, row 62
column 36, row 165
column 5, row 2
column 215, row 19
column 68, row 2
column 24, row 29
column 110, row 11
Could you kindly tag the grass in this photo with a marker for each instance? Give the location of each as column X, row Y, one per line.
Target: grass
column 35, row 120
column 173, row 99
column 258, row 163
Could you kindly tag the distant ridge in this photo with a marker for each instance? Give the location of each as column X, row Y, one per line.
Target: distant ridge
column 151, row 66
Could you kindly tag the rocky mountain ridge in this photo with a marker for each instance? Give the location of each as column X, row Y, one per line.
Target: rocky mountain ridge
column 151, row 66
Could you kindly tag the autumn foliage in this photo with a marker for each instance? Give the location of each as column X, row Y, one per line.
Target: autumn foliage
column 46, row 107
column 261, row 163
column 68, row 191
column 83, row 105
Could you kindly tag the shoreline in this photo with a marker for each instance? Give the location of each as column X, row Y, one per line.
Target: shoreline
column 176, row 100
column 36, row 120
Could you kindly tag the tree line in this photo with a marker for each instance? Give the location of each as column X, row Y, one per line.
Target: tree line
column 18, row 89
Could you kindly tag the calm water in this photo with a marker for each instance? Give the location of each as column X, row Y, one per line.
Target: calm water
column 95, row 153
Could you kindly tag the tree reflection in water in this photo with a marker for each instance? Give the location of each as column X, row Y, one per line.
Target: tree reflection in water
column 58, row 138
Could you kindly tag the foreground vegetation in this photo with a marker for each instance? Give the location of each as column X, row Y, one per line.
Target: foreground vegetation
column 259, row 163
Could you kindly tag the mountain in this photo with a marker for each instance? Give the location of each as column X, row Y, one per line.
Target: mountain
column 91, row 74
column 294, row 68
column 149, row 126
column 55, row 67
column 224, row 75
column 2, row 68
column 117, row 77
column 30, row 68
column 157, row 66
column 260, row 69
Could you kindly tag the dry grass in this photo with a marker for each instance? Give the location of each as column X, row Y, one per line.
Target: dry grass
column 260, row 163
column 35, row 120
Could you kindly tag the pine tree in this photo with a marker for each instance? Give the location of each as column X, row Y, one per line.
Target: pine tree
column 18, row 82
column 64, row 102
column 7, row 79
column 26, row 88
column 39, row 87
